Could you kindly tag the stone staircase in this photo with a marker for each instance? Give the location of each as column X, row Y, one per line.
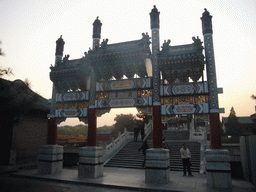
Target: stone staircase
column 130, row 157
column 175, row 159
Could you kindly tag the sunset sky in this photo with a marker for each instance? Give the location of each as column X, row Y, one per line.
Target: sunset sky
column 29, row 30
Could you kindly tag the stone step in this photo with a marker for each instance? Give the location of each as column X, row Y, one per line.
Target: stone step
column 130, row 157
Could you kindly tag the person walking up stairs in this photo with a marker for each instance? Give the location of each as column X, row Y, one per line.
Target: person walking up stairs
column 144, row 148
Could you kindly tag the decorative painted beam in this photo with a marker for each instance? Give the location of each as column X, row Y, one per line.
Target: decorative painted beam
column 125, row 84
column 73, row 96
column 182, row 89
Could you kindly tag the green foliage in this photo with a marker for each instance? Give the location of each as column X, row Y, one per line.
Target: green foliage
column 127, row 121
column 106, row 127
column 78, row 129
column 233, row 125
column 232, row 112
column 7, row 71
column 73, row 130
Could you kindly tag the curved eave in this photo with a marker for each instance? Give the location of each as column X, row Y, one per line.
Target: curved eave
column 71, row 78
column 182, row 63
column 119, row 64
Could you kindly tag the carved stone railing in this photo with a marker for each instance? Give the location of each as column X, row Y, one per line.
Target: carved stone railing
column 116, row 144
column 199, row 134
column 148, row 129
column 202, row 157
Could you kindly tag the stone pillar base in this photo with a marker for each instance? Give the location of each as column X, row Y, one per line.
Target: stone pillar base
column 157, row 166
column 90, row 162
column 50, row 159
column 218, row 170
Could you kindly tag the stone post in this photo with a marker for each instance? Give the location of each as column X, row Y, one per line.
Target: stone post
column 217, row 160
column 91, row 157
column 218, row 168
column 212, row 81
column 248, row 156
column 90, row 162
column 157, row 159
column 50, row 159
column 157, row 124
column 157, row 166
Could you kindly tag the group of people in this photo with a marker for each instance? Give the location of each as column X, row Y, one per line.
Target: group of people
column 184, row 152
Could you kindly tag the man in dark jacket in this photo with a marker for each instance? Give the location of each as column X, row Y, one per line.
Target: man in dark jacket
column 144, row 148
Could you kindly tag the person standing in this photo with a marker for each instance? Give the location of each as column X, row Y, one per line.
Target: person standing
column 136, row 132
column 142, row 131
column 186, row 156
column 144, row 148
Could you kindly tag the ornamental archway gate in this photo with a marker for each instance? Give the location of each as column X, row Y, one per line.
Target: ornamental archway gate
column 162, row 83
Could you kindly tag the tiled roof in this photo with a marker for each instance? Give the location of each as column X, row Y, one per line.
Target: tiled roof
column 243, row 120
column 116, row 60
column 120, row 48
column 181, row 62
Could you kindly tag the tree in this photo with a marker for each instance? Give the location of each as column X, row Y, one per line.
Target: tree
column 127, row 121
column 73, row 130
column 7, row 71
column 233, row 125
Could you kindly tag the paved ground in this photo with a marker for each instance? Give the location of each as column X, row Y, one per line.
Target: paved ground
column 14, row 184
column 114, row 179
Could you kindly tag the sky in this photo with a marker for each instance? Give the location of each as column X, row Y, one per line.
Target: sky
column 29, row 30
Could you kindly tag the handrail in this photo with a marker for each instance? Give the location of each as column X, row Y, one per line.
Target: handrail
column 115, row 145
column 148, row 130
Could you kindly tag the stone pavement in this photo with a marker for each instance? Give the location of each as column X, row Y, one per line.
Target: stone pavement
column 134, row 180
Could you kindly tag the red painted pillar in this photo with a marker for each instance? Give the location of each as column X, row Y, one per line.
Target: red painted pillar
column 52, row 132
column 157, row 128
column 92, row 126
column 215, row 131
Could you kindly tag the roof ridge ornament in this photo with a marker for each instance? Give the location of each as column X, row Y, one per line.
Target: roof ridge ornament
column 145, row 40
column 166, row 45
column 104, row 43
column 197, row 42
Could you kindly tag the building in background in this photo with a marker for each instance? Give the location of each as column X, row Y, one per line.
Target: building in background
column 23, row 122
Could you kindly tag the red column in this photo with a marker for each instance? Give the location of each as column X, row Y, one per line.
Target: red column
column 215, row 131
column 92, row 126
column 157, row 128
column 52, row 131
